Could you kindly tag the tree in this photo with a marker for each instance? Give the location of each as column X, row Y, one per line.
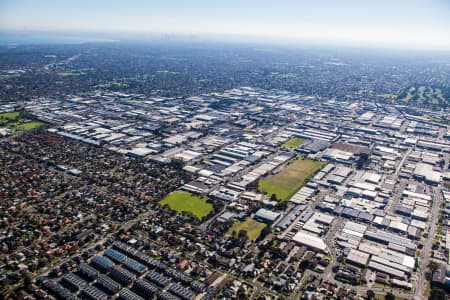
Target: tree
column 266, row 230
column 437, row 294
column 389, row 296
column 363, row 160
column 242, row 235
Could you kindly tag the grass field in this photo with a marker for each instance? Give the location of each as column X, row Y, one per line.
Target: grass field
column 381, row 297
column 388, row 96
column 110, row 85
column 252, row 227
column 181, row 201
column 70, row 74
column 438, row 120
column 290, row 179
column 4, row 117
column 25, row 126
column 293, row 143
column 12, row 120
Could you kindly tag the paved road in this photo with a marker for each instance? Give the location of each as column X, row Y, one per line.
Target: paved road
column 361, row 290
column 399, row 167
column 421, row 281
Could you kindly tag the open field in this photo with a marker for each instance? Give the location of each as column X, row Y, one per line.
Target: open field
column 112, row 85
column 252, row 227
column 70, row 74
column 293, row 143
column 13, row 120
column 438, row 120
column 381, row 297
column 290, row 179
column 20, row 126
column 388, row 96
column 5, row 117
column 181, row 201
column 423, row 95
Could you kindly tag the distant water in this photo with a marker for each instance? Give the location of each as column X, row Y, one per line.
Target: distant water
column 28, row 39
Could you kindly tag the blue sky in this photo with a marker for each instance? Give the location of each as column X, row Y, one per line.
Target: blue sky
column 403, row 23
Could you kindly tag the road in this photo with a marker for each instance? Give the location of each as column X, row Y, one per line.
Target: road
column 426, row 252
column 399, row 167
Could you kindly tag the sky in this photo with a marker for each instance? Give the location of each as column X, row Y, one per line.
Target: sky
column 392, row 23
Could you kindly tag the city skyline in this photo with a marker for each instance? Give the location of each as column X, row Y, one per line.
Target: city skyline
column 402, row 24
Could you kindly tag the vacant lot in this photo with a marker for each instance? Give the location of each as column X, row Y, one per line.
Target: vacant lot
column 293, row 143
column 252, row 227
column 181, row 201
column 290, row 179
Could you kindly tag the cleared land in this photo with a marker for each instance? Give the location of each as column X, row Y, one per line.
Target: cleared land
column 293, row 143
column 252, row 227
column 290, row 179
column 181, row 201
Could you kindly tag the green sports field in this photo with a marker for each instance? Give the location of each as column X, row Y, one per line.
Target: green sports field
column 7, row 116
column 290, row 179
column 181, row 201
column 13, row 120
column 252, row 227
column 293, row 143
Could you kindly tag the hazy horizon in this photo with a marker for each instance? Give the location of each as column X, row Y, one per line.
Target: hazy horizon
column 392, row 24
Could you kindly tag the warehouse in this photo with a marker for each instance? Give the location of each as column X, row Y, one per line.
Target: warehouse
column 425, row 172
column 87, row 271
column 390, row 263
column 122, row 275
column 108, row 284
column 310, row 241
column 290, row 217
column 385, row 269
column 126, row 294
column 386, row 238
column 115, row 255
column 158, row 278
column 266, row 216
column 73, row 282
column 145, row 288
column 91, row 292
column 102, row 263
column 357, row 257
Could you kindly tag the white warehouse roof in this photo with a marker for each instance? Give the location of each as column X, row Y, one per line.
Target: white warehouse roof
column 310, row 241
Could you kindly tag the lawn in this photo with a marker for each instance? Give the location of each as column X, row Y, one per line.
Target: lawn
column 252, row 227
column 70, row 74
column 181, row 201
column 4, row 117
column 293, row 143
column 25, row 126
column 388, row 96
column 438, row 120
column 382, row 297
column 13, row 120
column 110, row 85
column 290, row 179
